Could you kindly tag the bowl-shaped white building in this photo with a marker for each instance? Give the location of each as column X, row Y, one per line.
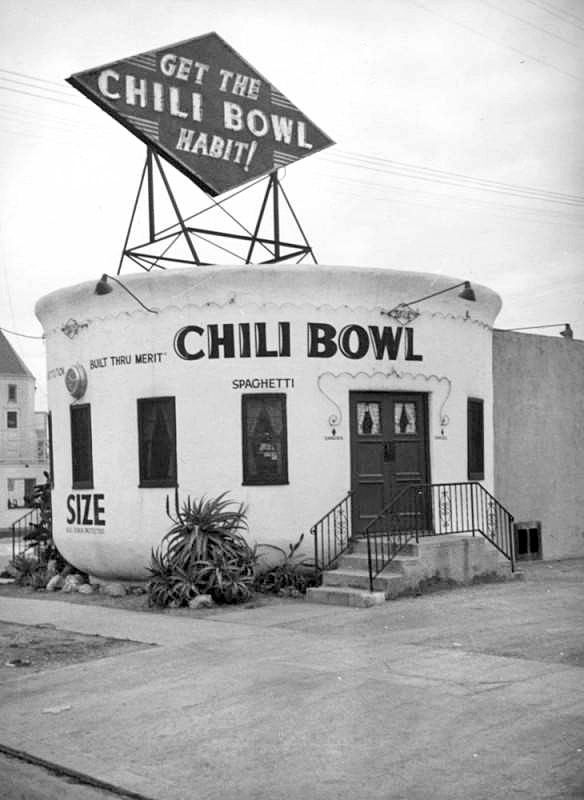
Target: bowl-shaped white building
column 285, row 386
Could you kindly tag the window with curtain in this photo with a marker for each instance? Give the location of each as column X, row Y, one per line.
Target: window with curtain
column 81, row 455
column 475, row 439
column 157, row 441
column 265, row 450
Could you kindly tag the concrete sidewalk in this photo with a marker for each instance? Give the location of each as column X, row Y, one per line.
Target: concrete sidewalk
column 475, row 693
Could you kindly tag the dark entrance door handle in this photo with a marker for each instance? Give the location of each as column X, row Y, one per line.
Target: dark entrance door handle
column 389, row 451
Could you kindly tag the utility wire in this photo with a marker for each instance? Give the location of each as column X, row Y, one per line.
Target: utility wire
column 529, row 23
column 545, row 193
column 559, row 13
column 41, row 96
column 31, row 77
column 24, row 335
column 451, row 182
column 34, row 86
column 490, row 206
column 493, row 211
column 542, row 61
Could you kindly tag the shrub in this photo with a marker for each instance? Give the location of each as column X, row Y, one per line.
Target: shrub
column 25, row 567
column 204, row 552
column 293, row 575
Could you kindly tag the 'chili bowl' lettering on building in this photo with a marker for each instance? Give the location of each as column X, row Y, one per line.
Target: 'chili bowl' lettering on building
column 323, row 340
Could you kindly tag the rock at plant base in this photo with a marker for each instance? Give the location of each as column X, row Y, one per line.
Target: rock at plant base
column 71, row 584
column 55, row 583
column 202, row 601
column 86, row 588
column 113, row 589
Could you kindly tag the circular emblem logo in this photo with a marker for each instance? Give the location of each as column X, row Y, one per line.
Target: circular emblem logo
column 76, row 381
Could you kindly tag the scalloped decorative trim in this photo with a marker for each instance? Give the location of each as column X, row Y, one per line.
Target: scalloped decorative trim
column 259, row 305
column 336, row 419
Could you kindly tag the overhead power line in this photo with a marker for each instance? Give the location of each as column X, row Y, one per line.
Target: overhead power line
column 24, row 335
column 499, row 43
column 42, row 96
column 559, row 13
column 449, row 202
column 461, row 176
column 388, row 166
column 528, row 22
column 31, row 77
column 34, row 86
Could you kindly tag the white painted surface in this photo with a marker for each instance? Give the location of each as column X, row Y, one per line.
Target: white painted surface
column 453, row 337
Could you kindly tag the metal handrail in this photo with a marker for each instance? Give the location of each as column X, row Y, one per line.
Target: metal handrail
column 18, row 534
column 332, row 533
column 434, row 509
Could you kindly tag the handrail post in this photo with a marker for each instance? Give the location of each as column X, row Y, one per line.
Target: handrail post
column 370, row 567
column 314, row 534
column 511, row 541
column 472, row 509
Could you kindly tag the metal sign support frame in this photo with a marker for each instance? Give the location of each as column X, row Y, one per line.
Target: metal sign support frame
column 277, row 249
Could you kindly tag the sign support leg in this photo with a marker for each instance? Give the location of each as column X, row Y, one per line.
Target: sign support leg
column 177, row 212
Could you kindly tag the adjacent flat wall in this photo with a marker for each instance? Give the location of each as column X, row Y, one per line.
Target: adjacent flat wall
column 539, row 435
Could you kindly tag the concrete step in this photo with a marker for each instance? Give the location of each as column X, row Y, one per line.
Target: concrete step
column 361, row 561
column 359, row 547
column 353, row 561
column 401, row 563
column 344, row 596
column 390, row 583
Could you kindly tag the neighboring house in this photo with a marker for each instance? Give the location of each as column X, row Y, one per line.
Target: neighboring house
column 23, row 436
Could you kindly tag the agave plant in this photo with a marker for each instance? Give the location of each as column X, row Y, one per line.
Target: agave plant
column 168, row 586
column 292, row 575
column 204, row 552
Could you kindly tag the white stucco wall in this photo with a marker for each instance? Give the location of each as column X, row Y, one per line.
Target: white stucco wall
column 452, row 335
column 539, row 435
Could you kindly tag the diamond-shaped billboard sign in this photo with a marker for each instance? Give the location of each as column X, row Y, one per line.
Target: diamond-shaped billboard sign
column 202, row 107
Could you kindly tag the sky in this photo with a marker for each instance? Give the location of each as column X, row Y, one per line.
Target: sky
column 458, row 128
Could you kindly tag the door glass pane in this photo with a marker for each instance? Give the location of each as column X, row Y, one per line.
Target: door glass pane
column 368, row 419
column 404, row 418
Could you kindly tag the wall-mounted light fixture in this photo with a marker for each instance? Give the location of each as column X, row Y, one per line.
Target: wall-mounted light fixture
column 567, row 333
column 71, row 328
column 404, row 313
column 103, row 287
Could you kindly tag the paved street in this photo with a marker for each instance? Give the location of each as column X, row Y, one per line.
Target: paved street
column 475, row 693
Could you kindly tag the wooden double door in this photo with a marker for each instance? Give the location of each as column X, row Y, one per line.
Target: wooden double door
column 389, row 450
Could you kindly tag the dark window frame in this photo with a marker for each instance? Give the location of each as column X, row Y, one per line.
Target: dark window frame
column 79, row 481
column 155, row 483
column 249, row 480
column 475, row 427
column 12, row 393
column 11, row 415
